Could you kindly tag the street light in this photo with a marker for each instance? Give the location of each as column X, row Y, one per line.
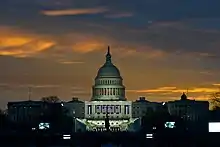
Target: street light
column 74, row 120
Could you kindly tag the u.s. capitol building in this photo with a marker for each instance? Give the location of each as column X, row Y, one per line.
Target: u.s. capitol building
column 108, row 98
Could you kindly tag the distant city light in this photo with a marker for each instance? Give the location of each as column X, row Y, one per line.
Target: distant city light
column 149, row 136
column 43, row 126
column 169, row 125
column 214, row 126
column 66, row 136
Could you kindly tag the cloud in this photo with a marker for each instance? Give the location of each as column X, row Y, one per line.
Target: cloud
column 14, row 42
column 176, row 90
column 174, row 93
column 13, row 86
column 216, row 84
column 70, row 62
column 119, row 15
column 86, row 46
column 74, row 11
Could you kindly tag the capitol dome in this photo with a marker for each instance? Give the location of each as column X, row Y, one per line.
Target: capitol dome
column 108, row 82
column 108, row 69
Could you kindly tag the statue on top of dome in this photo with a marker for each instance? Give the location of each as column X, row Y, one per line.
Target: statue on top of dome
column 108, row 56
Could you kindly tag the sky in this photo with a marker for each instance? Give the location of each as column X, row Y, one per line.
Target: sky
column 162, row 47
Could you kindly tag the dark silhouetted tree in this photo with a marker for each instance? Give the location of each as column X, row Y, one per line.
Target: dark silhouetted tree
column 50, row 99
column 215, row 101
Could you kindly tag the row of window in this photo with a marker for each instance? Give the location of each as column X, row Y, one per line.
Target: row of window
column 109, row 91
column 108, row 108
column 109, row 82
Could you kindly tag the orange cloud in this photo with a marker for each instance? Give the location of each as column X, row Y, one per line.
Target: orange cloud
column 146, row 52
column 216, row 84
column 19, row 43
column 74, row 11
column 13, row 41
column 70, row 62
column 172, row 93
column 176, row 90
column 88, row 46
column 27, row 49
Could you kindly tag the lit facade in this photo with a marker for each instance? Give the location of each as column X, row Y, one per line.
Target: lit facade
column 108, row 96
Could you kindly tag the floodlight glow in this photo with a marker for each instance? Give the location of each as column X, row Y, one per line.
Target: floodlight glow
column 214, row 126
column 66, row 137
column 169, row 125
column 149, row 135
column 43, row 126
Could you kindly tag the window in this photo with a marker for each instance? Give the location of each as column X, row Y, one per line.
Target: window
column 89, row 111
column 126, row 109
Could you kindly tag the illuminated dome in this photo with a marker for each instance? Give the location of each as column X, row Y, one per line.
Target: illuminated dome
column 108, row 69
column 108, row 83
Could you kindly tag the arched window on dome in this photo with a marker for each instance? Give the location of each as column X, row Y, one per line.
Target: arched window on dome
column 113, row 91
column 104, row 91
column 110, row 91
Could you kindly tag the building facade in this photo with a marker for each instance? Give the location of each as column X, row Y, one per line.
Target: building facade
column 108, row 98
column 75, row 108
column 189, row 110
column 141, row 107
column 24, row 111
column 32, row 112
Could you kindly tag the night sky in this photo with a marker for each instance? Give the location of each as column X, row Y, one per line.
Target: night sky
column 162, row 47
